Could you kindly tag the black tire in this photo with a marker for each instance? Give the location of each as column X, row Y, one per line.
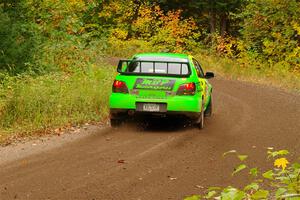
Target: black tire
column 115, row 123
column 208, row 111
column 201, row 121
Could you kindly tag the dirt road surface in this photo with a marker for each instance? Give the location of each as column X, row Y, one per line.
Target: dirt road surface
column 167, row 159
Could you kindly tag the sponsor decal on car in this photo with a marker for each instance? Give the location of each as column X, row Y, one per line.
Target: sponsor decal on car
column 154, row 84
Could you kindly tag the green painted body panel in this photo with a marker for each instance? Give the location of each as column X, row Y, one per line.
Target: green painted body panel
column 163, row 93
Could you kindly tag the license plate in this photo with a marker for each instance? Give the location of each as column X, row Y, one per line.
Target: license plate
column 151, row 107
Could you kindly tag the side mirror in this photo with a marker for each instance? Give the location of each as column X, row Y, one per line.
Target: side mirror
column 209, row 75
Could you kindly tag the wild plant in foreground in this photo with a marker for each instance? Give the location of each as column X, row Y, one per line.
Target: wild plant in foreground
column 282, row 182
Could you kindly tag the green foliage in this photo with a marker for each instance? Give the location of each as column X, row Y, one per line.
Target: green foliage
column 262, row 34
column 162, row 31
column 271, row 31
column 212, row 15
column 18, row 42
column 30, row 104
column 252, row 31
column 44, row 36
column 281, row 182
column 239, row 168
column 50, row 73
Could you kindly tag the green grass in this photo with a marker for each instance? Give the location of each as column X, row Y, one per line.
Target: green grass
column 38, row 104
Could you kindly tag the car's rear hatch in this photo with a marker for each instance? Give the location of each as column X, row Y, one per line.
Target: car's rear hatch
column 153, row 82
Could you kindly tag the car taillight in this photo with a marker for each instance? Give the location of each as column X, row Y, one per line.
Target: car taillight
column 187, row 89
column 119, row 87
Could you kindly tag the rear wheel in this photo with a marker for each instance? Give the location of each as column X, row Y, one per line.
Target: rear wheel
column 209, row 108
column 201, row 121
column 115, row 123
column 201, row 117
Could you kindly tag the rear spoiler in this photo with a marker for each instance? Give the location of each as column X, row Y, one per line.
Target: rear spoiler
column 124, row 67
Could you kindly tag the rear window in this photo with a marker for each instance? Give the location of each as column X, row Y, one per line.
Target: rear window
column 157, row 65
column 158, row 68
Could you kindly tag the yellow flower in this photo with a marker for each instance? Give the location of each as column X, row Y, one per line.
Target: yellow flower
column 281, row 162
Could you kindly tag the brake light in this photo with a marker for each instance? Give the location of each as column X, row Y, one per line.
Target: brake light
column 187, row 89
column 120, row 87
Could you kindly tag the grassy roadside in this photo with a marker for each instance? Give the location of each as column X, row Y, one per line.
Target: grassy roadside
column 30, row 105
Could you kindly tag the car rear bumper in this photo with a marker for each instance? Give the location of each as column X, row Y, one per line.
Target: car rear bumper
column 184, row 104
column 125, row 113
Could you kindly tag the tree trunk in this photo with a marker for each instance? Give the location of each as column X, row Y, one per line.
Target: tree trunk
column 212, row 21
column 5, row 5
column 224, row 24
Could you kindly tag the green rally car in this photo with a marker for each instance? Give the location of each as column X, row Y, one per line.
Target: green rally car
column 161, row 84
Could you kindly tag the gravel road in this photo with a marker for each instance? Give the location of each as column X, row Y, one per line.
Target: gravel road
column 166, row 160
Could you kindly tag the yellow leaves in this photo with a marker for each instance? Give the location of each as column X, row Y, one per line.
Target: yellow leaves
column 76, row 3
column 109, row 10
column 147, row 21
column 296, row 27
column 118, row 11
column 281, row 163
column 120, row 33
column 226, row 45
column 166, row 31
column 153, row 25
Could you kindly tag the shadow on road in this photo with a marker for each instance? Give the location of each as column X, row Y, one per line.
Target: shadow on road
column 169, row 124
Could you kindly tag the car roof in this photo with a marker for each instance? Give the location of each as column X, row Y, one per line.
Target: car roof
column 170, row 55
column 162, row 55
